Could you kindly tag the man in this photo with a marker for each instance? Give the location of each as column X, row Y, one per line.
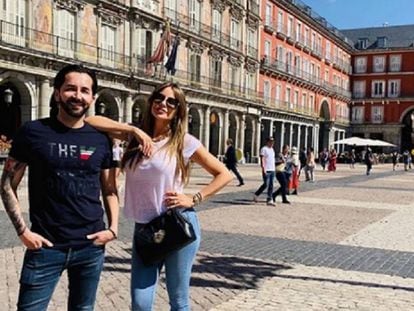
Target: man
column 267, row 163
column 69, row 162
column 369, row 160
column 231, row 161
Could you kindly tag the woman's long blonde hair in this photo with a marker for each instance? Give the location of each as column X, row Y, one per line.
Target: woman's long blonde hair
column 175, row 145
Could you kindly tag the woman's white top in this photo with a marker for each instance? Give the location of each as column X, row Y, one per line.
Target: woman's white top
column 146, row 185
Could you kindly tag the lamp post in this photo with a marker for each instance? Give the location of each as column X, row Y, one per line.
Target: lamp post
column 8, row 96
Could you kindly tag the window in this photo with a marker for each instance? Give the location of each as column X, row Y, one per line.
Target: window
column 215, row 73
column 378, row 88
column 303, row 103
column 278, row 94
column 108, row 45
column 295, row 99
column 382, row 42
column 377, row 114
column 267, row 48
column 306, row 37
column 357, row 114
column 145, row 44
column 14, row 13
column 280, row 23
column 311, row 103
column 235, row 34
column 328, row 50
column 299, row 32
column 395, row 63
column 297, row 65
column 234, row 74
column 379, row 63
column 360, row 64
column 289, row 62
column 359, row 89
column 195, row 67
column 268, row 16
column 362, row 43
column 194, row 15
column 393, row 88
column 288, row 96
column 216, row 25
column 290, row 26
column 170, row 7
column 250, row 83
column 65, row 32
column 313, row 41
column 266, row 91
column 326, row 75
column 251, row 41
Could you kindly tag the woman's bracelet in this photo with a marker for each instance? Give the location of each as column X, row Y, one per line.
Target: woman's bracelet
column 113, row 233
column 197, row 198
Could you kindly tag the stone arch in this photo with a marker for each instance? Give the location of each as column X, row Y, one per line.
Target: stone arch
column 194, row 122
column 107, row 105
column 19, row 110
column 233, row 126
column 325, row 125
column 139, row 109
column 407, row 130
column 214, row 121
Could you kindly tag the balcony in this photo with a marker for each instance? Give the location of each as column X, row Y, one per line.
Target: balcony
column 184, row 23
column 253, row 7
column 292, row 71
column 269, row 26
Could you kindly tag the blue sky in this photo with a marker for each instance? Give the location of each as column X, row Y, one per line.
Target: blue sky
column 347, row 14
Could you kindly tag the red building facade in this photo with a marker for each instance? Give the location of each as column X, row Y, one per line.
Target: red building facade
column 304, row 76
column 382, row 84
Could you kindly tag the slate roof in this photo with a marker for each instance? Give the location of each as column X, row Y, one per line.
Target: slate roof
column 396, row 36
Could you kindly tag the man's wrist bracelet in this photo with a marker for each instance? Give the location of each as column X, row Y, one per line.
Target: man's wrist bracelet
column 113, row 233
column 197, row 198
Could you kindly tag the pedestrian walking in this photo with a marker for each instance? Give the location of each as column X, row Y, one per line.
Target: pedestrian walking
column 267, row 165
column 283, row 173
column 294, row 180
column 302, row 159
column 332, row 161
column 231, row 161
column 406, row 159
column 352, row 158
column 394, row 157
column 155, row 184
column 310, row 165
column 69, row 163
column 369, row 160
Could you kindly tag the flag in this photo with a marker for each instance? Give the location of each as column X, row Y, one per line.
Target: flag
column 170, row 64
column 162, row 47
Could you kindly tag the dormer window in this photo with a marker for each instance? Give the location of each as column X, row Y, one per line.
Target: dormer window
column 362, row 43
column 382, row 42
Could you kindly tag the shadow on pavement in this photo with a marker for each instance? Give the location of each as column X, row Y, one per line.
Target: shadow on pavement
column 215, row 271
column 233, row 272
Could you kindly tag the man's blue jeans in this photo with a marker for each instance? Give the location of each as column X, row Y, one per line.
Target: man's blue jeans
column 42, row 269
column 178, row 267
column 268, row 179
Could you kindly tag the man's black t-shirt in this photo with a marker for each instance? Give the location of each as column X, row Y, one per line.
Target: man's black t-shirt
column 64, row 179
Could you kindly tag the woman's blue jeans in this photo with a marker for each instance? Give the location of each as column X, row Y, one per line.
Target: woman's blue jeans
column 42, row 269
column 178, row 267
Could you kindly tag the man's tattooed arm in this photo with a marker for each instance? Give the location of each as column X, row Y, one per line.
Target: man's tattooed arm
column 10, row 179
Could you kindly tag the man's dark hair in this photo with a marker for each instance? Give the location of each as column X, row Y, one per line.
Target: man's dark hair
column 61, row 75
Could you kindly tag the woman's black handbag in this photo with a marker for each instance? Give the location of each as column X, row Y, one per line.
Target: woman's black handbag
column 163, row 235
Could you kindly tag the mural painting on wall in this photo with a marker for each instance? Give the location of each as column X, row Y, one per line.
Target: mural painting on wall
column 89, row 35
column 42, row 14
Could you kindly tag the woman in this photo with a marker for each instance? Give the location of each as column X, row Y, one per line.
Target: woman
column 310, row 165
column 155, row 184
column 294, row 180
column 283, row 173
column 332, row 161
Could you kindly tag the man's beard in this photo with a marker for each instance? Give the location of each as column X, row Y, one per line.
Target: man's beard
column 69, row 105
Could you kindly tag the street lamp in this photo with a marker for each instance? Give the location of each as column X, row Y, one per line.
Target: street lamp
column 8, row 96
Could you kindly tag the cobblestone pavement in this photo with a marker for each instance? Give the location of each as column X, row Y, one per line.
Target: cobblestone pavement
column 345, row 243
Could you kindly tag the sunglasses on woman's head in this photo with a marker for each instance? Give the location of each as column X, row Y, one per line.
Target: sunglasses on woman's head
column 171, row 102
